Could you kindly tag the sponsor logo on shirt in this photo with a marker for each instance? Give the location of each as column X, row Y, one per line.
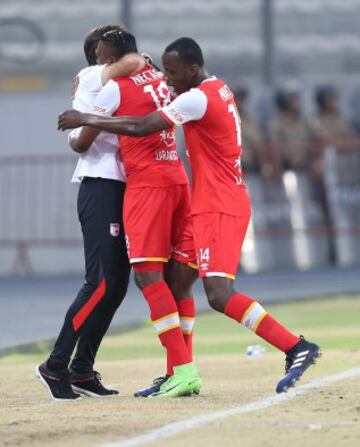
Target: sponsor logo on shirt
column 225, row 93
column 237, row 164
column 181, row 253
column 239, row 180
column 114, row 229
column 166, row 155
column 99, row 109
column 175, row 115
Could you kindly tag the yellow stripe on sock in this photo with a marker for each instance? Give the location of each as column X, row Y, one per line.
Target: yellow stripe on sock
column 259, row 320
column 164, row 318
column 187, row 324
column 248, row 310
column 168, row 328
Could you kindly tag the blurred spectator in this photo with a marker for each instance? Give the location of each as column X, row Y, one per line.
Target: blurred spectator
column 288, row 133
column 355, row 109
column 328, row 124
column 327, row 127
column 251, row 137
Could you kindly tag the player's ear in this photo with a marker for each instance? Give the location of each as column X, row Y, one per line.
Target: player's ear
column 194, row 69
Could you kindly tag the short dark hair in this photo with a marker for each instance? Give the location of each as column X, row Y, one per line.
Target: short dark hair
column 285, row 95
column 122, row 42
column 241, row 92
column 188, row 50
column 92, row 39
column 323, row 93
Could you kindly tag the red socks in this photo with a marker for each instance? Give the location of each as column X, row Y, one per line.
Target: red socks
column 276, row 334
column 186, row 309
column 251, row 314
column 165, row 318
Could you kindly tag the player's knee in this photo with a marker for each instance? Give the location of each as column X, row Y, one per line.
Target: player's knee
column 180, row 280
column 179, row 289
column 121, row 291
column 218, row 291
column 89, row 287
column 214, row 300
column 144, row 279
column 139, row 279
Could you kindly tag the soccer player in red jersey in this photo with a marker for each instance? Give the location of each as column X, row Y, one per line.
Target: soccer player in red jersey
column 220, row 205
column 156, row 212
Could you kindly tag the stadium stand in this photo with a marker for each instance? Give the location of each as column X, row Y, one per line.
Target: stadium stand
column 315, row 38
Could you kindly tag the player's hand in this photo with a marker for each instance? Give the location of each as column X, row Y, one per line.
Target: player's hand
column 70, row 119
column 147, row 57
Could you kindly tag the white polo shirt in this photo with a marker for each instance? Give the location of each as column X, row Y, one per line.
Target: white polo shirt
column 102, row 159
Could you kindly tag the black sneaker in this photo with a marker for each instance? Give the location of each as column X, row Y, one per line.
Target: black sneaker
column 90, row 385
column 153, row 388
column 58, row 384
column 298, row 360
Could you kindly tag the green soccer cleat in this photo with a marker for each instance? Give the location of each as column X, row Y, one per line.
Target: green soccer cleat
column 185, row 381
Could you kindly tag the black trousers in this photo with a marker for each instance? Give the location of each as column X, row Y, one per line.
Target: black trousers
column 100, row 203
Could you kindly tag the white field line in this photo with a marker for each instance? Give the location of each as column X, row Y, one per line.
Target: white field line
column 166, row 431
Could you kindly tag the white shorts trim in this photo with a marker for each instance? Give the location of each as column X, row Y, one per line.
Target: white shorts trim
column 133, row 260
column 224, row 275
column 148, row 259
column 220, row 274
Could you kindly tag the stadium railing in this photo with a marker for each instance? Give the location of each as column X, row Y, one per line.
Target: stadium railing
column 305, row 218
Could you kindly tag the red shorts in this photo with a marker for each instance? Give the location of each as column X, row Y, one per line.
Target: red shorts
column 218, row 240
column 157, row 224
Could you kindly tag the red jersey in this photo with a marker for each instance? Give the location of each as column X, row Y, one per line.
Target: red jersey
column 212, row 131
column 151, row 160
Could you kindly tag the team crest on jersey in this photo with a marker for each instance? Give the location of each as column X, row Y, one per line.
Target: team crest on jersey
column 114, row 229
column 168, row 137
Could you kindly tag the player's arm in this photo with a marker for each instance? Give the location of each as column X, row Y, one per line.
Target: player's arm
column 131, row 63
column 186, row 107
column 82, row 140
column 136, row 126
column 126, row 66
column 107, row 101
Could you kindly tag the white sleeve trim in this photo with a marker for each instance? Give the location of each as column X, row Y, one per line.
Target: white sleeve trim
column 189, row 106
column 108, row 99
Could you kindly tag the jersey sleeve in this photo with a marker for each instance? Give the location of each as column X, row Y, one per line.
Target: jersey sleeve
column 189, row 106
column 86, row 84
column 107, row 100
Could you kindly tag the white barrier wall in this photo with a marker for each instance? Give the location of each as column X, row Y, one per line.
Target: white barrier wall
column 39, row 231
